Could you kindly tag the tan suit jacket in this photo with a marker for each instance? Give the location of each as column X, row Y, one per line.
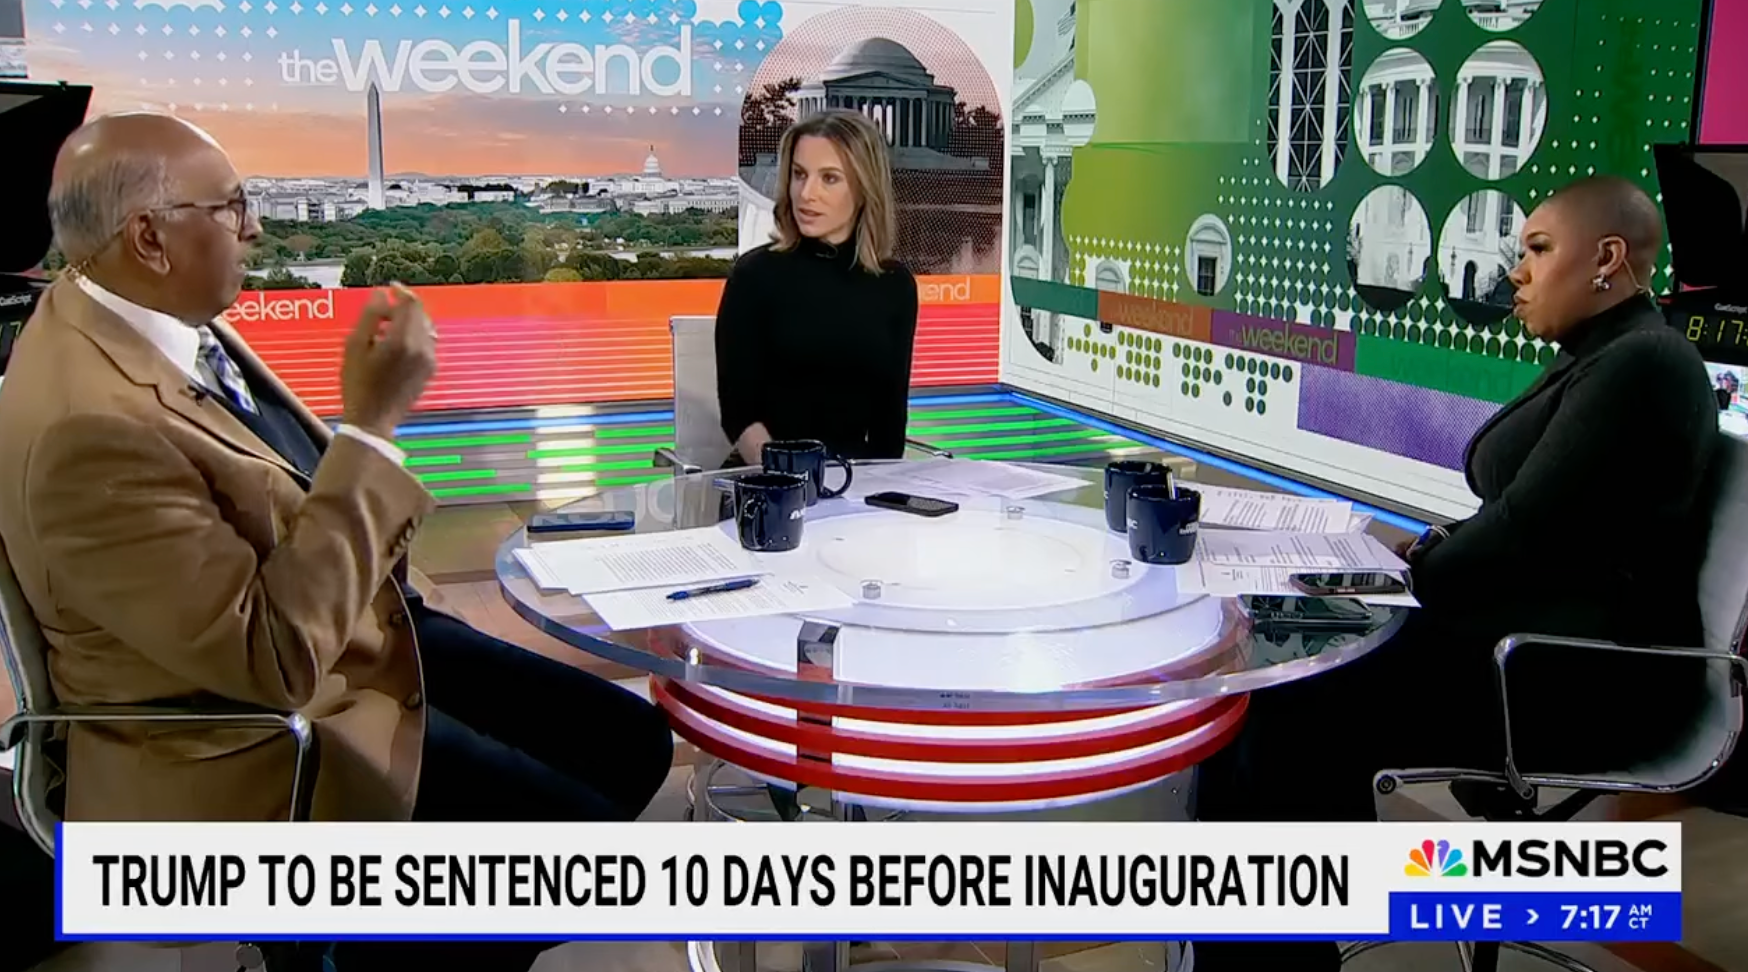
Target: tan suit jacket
column 170, row 554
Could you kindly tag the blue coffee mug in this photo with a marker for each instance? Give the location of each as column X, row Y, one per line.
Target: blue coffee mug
column 1122, row 476
column 769, row 509
column 1163, row 524
column 807, row 457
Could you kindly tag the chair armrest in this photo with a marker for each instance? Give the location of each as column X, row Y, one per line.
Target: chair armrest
column 14, row 730
column 668, row 457
column 1525, row 784
column 925, row 447
column 1386, row 782
column 241, row 717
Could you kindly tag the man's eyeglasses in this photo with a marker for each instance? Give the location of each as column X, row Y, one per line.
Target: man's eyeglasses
column 233, row 214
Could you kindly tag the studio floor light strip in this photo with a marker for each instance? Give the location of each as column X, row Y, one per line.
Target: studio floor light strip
column 546, row 454
column 543, row 454
column 549, row 457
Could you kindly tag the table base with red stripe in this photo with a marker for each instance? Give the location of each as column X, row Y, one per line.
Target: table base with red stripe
column 920, row 766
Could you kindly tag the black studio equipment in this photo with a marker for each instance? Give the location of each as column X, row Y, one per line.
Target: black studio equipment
column 1705, row 203
column 37, row 118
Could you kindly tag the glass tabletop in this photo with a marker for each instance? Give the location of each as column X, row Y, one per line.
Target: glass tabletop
column 1018, row 605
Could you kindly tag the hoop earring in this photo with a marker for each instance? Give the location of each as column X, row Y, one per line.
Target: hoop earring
column 1600, row 284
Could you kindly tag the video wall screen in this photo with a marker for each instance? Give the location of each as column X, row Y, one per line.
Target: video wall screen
column 1283, row 228
column 1731, row 384
column 558, row 178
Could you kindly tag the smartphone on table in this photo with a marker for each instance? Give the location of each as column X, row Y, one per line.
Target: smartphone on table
column 906, row 503
column 548, row 526
column 1348, row 584
column 1273, row 611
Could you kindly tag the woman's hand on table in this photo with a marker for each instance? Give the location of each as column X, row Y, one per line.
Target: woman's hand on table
column 751, row 444
column 1418, row 547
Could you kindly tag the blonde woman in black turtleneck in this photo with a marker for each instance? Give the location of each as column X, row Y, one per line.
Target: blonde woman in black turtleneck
column 814, row 333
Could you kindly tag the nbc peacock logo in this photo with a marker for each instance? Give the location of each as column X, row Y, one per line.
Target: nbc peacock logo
column 1440, row 859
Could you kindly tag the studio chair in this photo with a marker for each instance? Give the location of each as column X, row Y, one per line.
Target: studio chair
column 699, row 444
column 34, row 731
column 1695, row 754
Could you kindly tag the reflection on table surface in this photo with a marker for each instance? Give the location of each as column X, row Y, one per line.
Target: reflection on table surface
column 1008, row 606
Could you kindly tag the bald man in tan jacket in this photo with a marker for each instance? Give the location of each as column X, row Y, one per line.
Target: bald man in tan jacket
column 186, row 530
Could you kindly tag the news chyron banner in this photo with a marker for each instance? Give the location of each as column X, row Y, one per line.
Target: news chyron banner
column 1003, row 881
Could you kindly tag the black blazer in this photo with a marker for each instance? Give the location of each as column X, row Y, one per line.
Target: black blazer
column 1593, row 495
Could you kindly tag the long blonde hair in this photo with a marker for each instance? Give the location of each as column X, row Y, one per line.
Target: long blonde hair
column 864, row 152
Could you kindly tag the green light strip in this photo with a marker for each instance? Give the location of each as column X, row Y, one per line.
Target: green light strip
column 605, row 450
column 1081, row 433
column 496, row 489
column 533, row 488
column 634, row 433
column 629, row 480
column 952, row 429
column 465, row 474
column 463, row 442
column 1036, row 453
column 470, row 441
column 974, row 412
column 595, row 466
column 434, row 460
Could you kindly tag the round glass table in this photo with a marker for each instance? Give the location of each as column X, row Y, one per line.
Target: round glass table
column 1006, row 657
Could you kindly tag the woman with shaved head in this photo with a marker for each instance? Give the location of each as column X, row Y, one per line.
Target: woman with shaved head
column 1591, row 525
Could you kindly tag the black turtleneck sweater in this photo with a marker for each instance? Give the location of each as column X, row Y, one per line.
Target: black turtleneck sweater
column 1592, row 486
column 815, row 347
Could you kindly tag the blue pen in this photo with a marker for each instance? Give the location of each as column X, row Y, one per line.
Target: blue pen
column 723, row 588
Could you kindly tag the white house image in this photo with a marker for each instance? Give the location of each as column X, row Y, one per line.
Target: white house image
column 1499, row 111
column 1054, row 113
column 1398, row 109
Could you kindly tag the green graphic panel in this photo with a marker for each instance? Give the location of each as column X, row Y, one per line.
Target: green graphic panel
column 1120, row 198
column 1178, row 71
column 1175, row 80
column 1485, row 378
column 1632, row 86
column 1061, row 298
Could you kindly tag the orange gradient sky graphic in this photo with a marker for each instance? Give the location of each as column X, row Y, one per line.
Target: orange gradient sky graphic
column 434, row 135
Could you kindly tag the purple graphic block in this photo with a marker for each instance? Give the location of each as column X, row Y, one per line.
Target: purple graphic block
column 1281, row 339
column 1406, row 420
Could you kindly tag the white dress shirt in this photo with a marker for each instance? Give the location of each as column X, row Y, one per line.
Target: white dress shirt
column 181, row 344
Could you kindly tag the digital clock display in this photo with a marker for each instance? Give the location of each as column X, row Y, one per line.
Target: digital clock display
column 8, row 334
column 1719, row 331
